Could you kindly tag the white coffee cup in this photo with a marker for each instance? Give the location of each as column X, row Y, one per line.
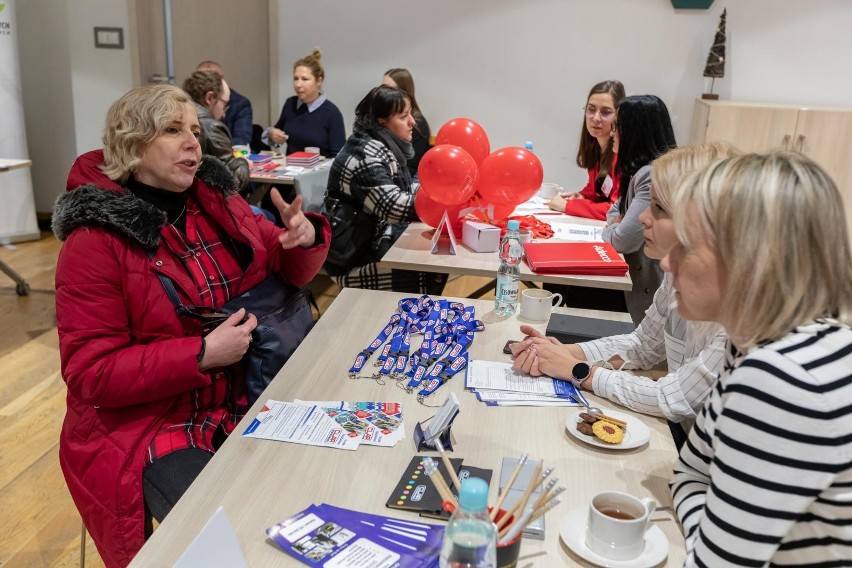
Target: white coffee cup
column 617, row 525
column 538, row 304
column 549, row 190
column 312, row 149
column 525, row 236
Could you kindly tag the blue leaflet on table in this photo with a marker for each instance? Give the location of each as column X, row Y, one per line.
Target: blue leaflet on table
column 321, row 533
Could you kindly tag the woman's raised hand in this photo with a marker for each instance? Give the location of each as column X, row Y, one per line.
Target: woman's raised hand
column 228, row 343
column 277, row 136
column 300, row 232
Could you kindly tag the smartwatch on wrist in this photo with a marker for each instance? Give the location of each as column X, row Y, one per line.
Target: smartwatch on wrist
column 579, row 373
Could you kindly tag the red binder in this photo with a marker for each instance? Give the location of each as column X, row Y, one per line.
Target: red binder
column 598, row 259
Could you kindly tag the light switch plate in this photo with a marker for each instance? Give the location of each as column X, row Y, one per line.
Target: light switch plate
column 109, row 38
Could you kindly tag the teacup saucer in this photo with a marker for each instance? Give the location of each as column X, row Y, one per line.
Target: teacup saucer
column 572, row 529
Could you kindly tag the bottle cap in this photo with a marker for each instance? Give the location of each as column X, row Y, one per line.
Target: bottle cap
column 513, row 225
column 474, row 494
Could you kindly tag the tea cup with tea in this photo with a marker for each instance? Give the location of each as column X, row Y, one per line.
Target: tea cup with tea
column 617, row 525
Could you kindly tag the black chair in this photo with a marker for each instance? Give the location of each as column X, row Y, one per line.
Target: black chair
column 257, row 144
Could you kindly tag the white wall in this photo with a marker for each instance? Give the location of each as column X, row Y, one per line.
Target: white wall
column 67, row 84
column 523, row 69
column 98, row 76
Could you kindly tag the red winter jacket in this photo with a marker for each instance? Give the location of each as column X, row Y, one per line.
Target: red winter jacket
column 125, row 353
column 595, row 205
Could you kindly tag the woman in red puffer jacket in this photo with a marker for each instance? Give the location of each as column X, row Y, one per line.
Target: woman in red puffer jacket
column 150, row 397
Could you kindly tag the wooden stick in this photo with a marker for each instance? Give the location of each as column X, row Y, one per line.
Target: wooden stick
column 508, row 486
column 448, row 464
column 546, row 504
column 535, row 480
column 544, row 493
column 431, row 469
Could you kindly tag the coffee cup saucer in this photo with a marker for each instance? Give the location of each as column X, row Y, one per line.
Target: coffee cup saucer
column 572, row 529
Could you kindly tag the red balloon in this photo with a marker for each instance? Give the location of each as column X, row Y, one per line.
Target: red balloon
column 510, row 176
column 448, row 175
column 467, row 134
column 430, row 212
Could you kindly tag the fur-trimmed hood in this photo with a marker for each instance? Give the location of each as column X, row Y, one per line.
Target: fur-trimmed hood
column 98, row 202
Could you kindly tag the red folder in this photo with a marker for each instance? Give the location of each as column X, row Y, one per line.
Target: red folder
column 598, row 259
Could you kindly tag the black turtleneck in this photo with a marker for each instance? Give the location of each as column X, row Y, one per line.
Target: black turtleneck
column 172, row 203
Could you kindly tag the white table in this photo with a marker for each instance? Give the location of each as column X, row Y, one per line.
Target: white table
column 260, row 482
column 22, row 288
column 412, row 251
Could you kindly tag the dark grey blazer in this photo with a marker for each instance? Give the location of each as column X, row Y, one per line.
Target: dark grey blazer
column 626, row 237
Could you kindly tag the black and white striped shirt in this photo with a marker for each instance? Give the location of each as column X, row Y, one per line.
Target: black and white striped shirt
column 766, row 476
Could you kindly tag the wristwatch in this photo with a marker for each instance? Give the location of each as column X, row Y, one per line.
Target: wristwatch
column 579, row 373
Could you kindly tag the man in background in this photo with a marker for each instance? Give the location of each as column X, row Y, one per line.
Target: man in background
column 238, row 116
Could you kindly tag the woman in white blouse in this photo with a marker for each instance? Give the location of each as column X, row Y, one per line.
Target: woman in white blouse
column 693, row 352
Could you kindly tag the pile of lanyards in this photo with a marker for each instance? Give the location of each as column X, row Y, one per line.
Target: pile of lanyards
column 447, row 328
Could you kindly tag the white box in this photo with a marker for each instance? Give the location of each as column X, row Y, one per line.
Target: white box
column 480, row 237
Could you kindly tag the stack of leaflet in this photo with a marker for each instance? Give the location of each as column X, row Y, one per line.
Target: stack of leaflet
column 258, row 159
column 303, row 159
column 497, row 384
column 332, row 424
column 324, row 535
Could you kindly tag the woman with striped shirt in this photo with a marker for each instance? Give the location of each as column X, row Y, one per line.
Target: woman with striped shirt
column 766, row 475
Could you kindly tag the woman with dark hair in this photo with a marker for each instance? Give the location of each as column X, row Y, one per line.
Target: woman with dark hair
column 643, row 133
column 370, row 173
column 597, row 153
column 401, row 79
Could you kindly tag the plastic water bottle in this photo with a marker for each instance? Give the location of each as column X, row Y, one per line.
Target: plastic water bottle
column 509, row 274
column 528, row 145
column 470, row 539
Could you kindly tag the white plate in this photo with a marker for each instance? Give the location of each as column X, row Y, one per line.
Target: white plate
column 635, row 435
column 572, row 529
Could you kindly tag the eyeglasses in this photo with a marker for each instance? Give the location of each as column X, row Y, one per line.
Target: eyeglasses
column 607, row 114
column 225, row 104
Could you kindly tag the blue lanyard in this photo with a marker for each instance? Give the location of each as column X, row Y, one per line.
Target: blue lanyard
column 448, row 329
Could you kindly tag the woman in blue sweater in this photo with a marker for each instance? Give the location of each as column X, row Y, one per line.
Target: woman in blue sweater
column 308, row 119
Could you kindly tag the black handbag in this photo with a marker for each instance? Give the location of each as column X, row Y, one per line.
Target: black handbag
column 351, row 232
column 284, row 319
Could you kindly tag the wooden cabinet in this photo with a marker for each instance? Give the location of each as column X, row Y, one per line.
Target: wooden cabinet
column 823, row 134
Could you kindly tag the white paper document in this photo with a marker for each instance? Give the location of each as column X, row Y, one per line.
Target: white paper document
column 300, row 424
column 491, row 375
column 577, row 232
column 508, row 398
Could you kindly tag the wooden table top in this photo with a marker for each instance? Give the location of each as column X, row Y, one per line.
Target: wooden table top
column 412, row 251
column 261, row 482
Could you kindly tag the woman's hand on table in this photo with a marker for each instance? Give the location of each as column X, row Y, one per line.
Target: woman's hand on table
column 228, row 343
column 300, row 232
column 557, row 203
column 277, row 136
column 538, row 354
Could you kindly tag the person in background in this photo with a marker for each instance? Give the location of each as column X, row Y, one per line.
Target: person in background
column 643, row 133
column 211, row 96
column 765, row 478
column 151, row 394
column 371, row 169
column 308, row 118
column 598, row 154
column 401, row 79
column 238, row 116
column 693, row 352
